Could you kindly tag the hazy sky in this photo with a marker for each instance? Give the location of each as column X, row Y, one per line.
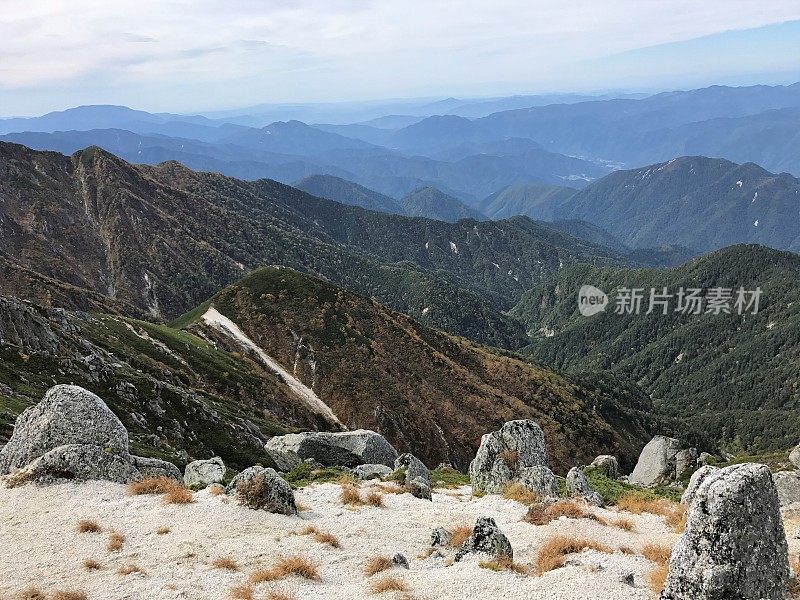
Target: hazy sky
column 201, row 54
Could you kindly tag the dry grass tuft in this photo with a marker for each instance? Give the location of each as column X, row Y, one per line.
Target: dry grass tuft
column 388, row 584
column 31, row 593
column 88, row 526
column 460, row 534
column 320, row 535
column 216, row 489
column 376, row 564
column 504, row 563
column 68, row 595
column 350, row 495
column 115, row 541
column 129, row 570
column 554, row 550
column 281, row 596
column 657, row 577
column 374, row 498
column 676, row 518
column 241, row 592
column 179, row 495
column 638, row 505
column 542, row 513
column 226, row 563
column 623, row 523
column 657, row 553
column 91, row 564
column 285, row 567
column 152, row 485
column 627, row 550
column 518, row 492
column 510, row 457
column 163, row 530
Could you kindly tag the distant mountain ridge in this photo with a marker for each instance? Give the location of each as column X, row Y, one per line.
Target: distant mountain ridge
column 435, row 204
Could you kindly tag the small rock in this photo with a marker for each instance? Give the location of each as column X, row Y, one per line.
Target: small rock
column 685, row 462
column 417, row 478
column 694, row 483
column 366, row 472
column 578, row 486
column 440, row 537
column 794, row 457
column 200, row 474
column 628, row 579
column 704, row 459
column 539, row 480
column 400, row 560
column 263, row 488
column 486, row 538
column 788, row 485
column 607, row 465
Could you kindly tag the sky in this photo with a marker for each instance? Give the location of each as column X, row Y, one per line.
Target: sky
column 201, row 55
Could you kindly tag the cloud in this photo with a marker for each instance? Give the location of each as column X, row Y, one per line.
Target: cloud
column 248, row 51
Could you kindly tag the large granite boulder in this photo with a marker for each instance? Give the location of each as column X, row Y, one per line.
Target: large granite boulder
column 417, row 475
column 578, row 487
column 487, row 539
column 788, row 485
column 200, row 474
column 71, row 435
column 694, row 483
column 262, row 488
column 794, row 456
column 607, row 465
column 734, row 544
column 341, row 449
column 504, row 453
column 656, row 462
column 67, row 415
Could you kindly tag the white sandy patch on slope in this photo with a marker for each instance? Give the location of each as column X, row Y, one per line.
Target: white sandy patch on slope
column 216, row 319
column 42, row 547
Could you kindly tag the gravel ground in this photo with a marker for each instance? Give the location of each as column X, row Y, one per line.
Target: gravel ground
column 42, row 547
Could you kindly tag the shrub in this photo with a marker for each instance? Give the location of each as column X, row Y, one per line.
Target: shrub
column 388, row 584
column 620, row 523
column 374, row 498
column 179, row 495
column 216, row 489
column 519, row 493
column 88, row 526
column 350, row 495
column 543, row 513
column 376, row 564
column 241, row 592
column 554, row 550
column 152, row 485
column 657, row 553
column 91, row 565
column 226, row 563
column 657, row 577
column 115, row 541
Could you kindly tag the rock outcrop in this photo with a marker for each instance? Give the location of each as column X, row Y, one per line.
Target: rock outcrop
column 788, row 485
column 72, row 435
column 685, row 462
column 262, row 488
column 417, row 475
column 656, row 463
column 200, row 474
column 794, row 456
column 486, row 538
column 734, row 544
column 504, row 456
column 607, row 465
column 343, row 449
column 578, row 487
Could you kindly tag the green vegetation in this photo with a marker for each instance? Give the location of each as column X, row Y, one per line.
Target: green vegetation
column 448, row 478
column 612, row 490
column 305, row 474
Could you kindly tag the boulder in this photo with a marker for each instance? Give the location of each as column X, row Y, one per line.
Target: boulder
column 502, row 454
column 788, row 485
column 539, row 480
column 734, row 544
column 656, row 463
column 200, row 474
column 155, row 467
column 399, row 560
column 607, row 465
column 694, row 483
column 685, row 462
column 440, row 537
column 486, row 538
column 578, row 487
column 794, row 457
column 417, row 475
column 76, row 462
column 71, row 435
column 366, row 472
column 341, row 449
column 262, row 488
column 67, row 415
